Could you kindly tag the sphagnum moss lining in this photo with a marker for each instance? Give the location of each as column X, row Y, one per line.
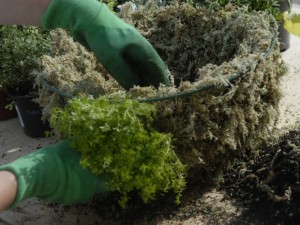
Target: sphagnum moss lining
column 203, row 46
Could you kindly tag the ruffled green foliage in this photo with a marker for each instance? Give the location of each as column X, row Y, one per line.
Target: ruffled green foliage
column 21, row 46
column 116, row 139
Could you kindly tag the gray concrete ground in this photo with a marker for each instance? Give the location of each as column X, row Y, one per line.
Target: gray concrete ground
column 14, row 143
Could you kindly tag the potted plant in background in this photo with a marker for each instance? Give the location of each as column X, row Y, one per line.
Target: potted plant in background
column 21, row 46
column 5, row 101
column 5, row 111
column 284, row 35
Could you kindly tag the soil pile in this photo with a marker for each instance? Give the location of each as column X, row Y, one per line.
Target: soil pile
column 270, row 183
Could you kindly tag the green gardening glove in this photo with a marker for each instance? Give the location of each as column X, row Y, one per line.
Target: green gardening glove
column 120, row 48
column 54, row 173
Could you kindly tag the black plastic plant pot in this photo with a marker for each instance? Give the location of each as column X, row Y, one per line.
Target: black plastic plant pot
column 283, row 36
column 30, row 116
column 5, row 113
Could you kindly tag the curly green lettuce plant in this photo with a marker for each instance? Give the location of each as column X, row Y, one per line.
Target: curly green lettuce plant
column 115, row 138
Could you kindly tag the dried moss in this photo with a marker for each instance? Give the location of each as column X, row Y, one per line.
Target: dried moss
column 206, row 46
column 72, row 70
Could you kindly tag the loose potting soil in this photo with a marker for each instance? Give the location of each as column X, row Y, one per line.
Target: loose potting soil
column 270, row 182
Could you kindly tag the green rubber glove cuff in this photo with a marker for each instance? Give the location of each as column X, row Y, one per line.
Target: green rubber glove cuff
column 70, row 14
column 54, row 173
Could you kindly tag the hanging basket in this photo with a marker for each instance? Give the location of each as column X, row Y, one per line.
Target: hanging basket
column 226, row 66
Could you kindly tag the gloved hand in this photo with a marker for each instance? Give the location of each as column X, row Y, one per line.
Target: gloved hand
column 54, row 173
column 120, row 48
column 292, row 22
